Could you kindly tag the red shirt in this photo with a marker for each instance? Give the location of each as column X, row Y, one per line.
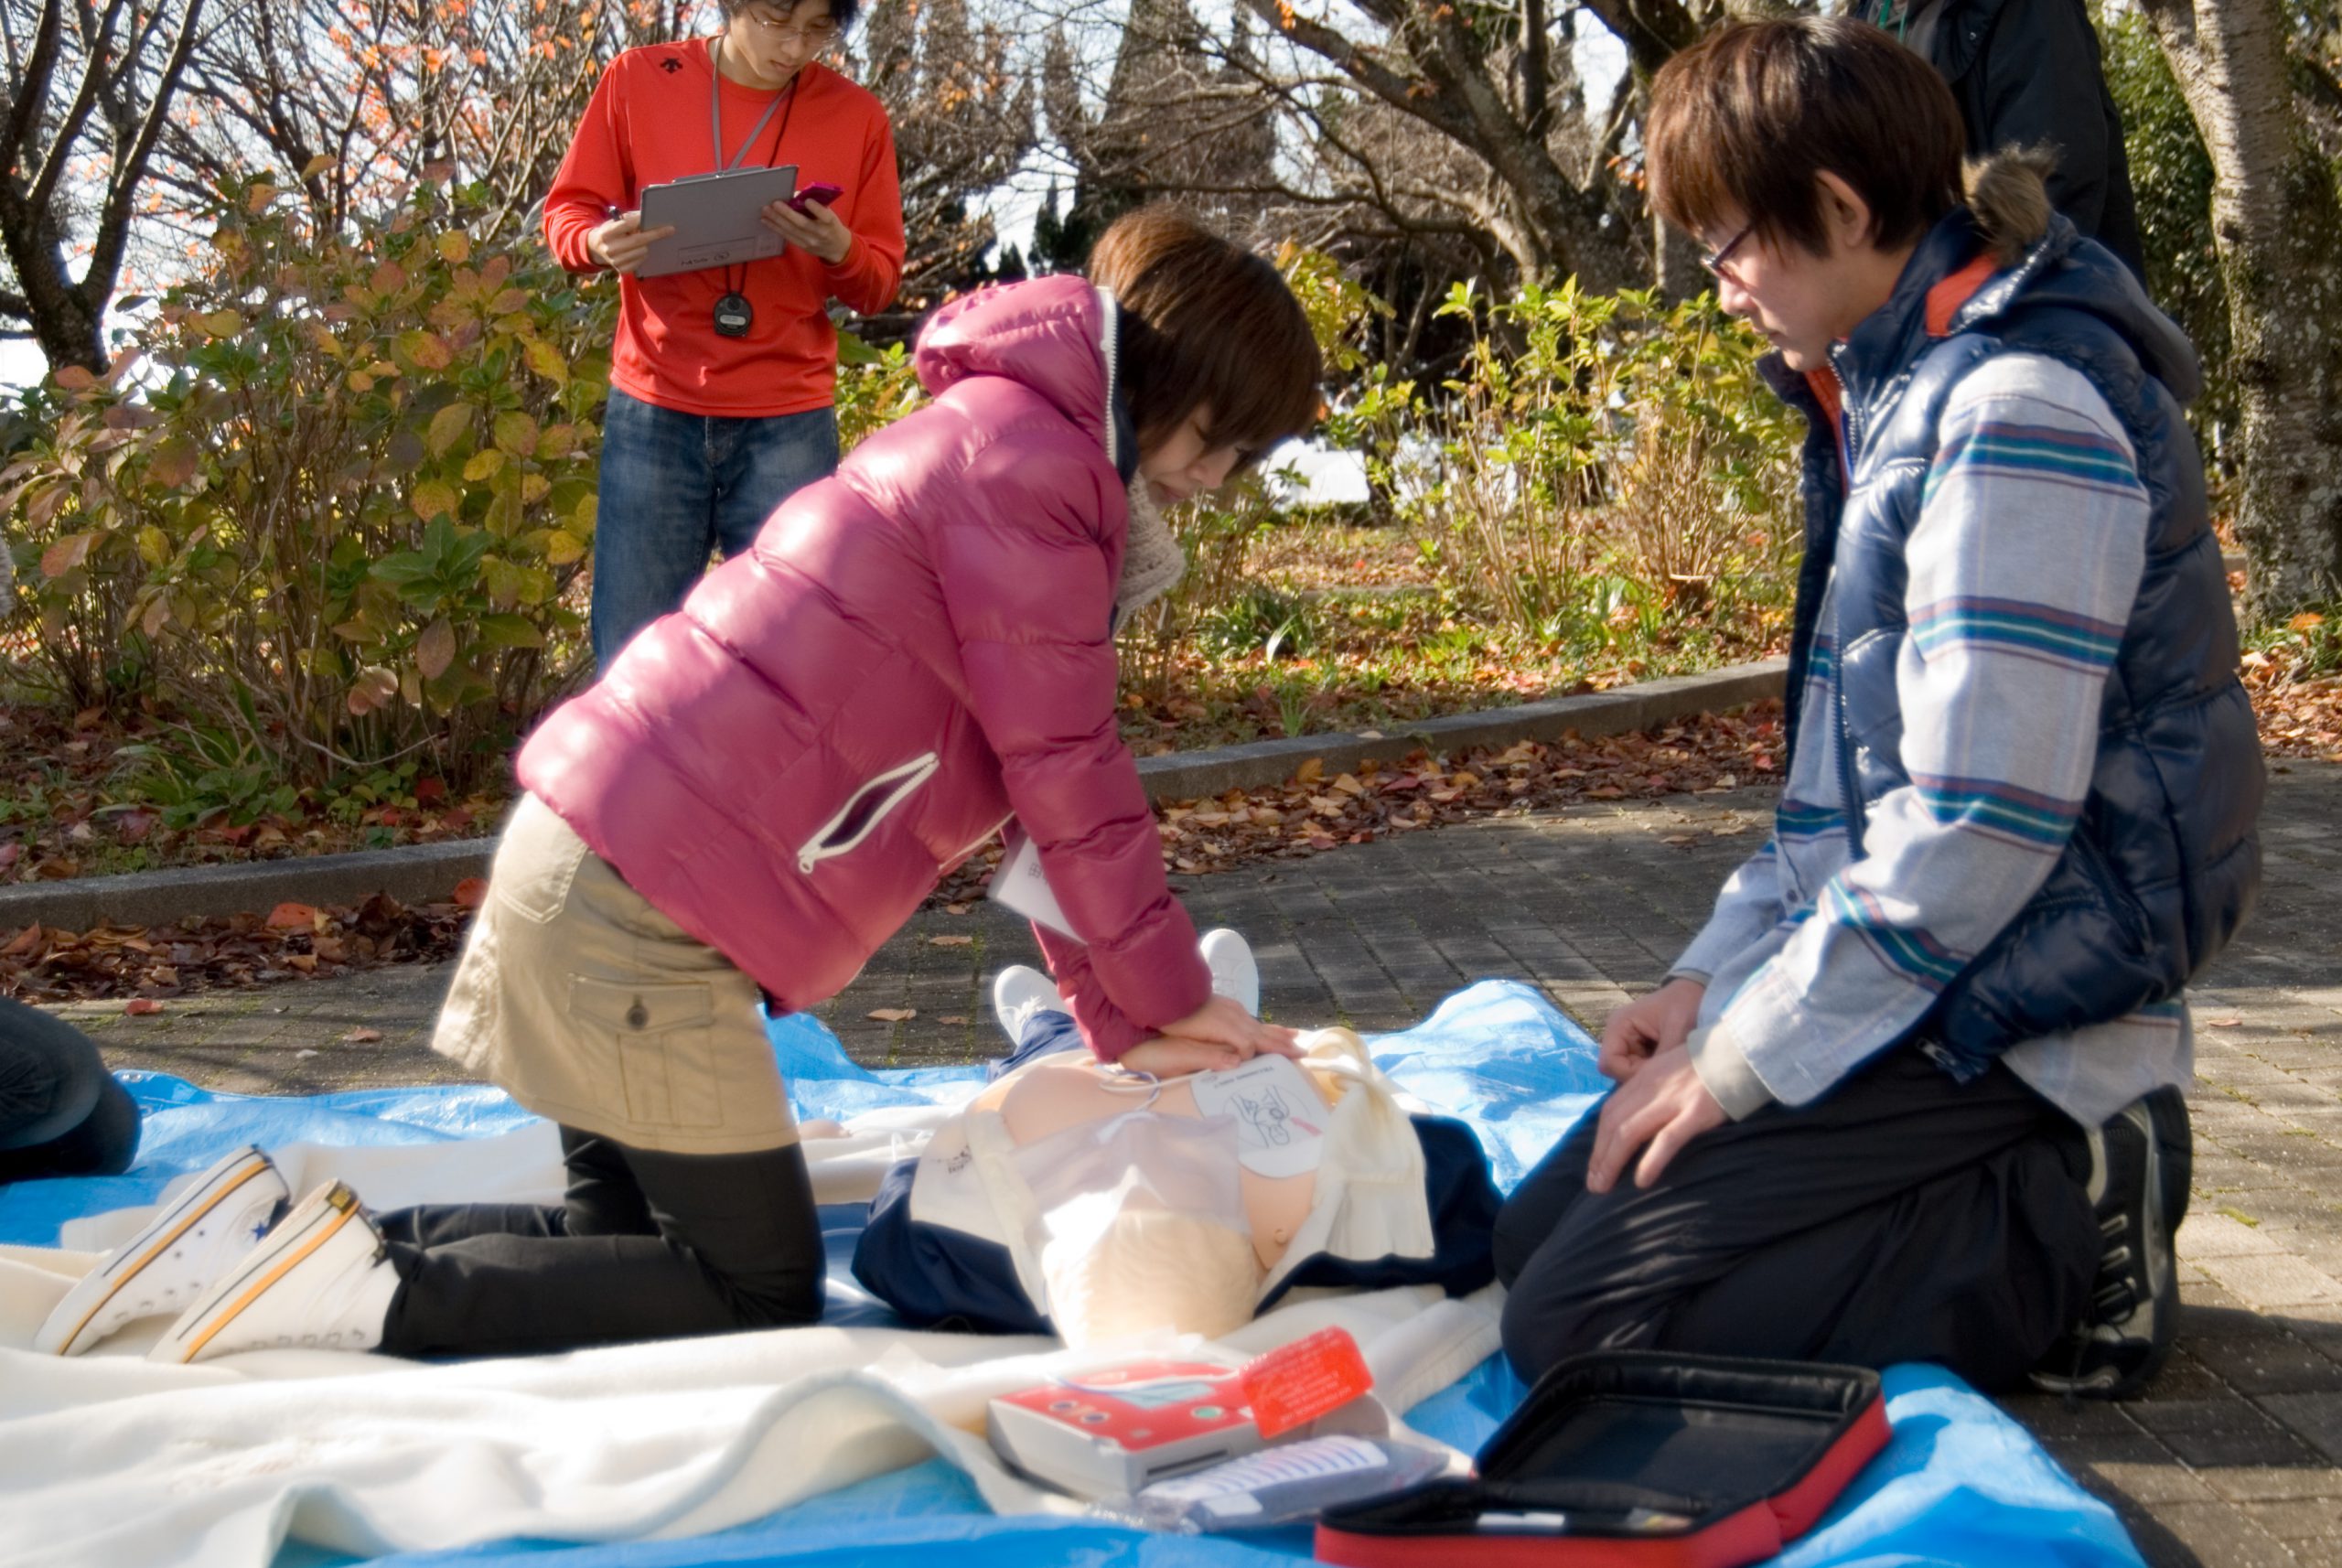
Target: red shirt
column 648, row 124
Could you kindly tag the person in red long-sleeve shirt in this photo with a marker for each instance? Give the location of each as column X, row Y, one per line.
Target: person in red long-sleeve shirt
column 712, row 424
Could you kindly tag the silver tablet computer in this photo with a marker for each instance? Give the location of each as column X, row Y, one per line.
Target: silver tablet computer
column 715, row 219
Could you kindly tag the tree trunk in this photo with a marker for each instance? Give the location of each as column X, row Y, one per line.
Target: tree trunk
column 2278, row 230
column 56, row 310
column 1675, row 258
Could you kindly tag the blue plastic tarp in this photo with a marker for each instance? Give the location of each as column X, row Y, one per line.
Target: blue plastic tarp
column 1961, row 1483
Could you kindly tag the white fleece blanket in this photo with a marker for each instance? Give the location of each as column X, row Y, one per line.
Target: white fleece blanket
column 109, row 1459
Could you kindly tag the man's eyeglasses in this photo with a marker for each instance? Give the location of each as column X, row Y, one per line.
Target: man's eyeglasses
column 820, row 31
column 1715, row 260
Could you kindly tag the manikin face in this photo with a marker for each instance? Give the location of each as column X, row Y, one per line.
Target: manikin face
column 768, row 42
column 1183, row 463
column 1803, row 302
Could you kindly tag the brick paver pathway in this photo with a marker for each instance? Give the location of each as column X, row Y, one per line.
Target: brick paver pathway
column 2234, row 1460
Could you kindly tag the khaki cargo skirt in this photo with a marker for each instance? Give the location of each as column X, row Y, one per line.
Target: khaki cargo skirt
column 596, row 1010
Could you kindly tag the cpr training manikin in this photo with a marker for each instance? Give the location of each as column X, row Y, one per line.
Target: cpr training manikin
column 1075, row 1198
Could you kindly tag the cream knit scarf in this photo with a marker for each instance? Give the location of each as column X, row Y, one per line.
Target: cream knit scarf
column 1151, row 560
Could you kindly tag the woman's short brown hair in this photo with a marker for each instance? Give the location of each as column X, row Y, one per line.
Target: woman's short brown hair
column 1744, row 121
column 1205, row 323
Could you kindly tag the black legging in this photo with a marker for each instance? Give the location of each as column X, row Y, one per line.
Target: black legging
column 61, row 1113
column 1901, row 1217
column 646, row 1246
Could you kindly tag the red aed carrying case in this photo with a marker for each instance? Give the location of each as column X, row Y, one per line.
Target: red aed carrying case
column 1636, row 1459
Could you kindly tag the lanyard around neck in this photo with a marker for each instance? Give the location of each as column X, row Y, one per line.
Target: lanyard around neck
column 715, row 110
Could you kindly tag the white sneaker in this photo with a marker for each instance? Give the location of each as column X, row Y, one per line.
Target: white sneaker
column 322, row 1280
column 1234, row 974
column 183, row 1248
column 1017, row 993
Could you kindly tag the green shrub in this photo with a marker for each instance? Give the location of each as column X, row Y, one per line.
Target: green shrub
column 1264, row 619
column 1599, row 464
column 335, row 501
column 876, row 388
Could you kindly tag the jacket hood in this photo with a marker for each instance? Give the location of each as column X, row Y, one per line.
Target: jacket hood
column 1054, row 335
column 1950, row 286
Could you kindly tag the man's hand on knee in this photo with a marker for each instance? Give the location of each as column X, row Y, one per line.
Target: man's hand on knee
column 1651, row 1023
column 1664, row 1106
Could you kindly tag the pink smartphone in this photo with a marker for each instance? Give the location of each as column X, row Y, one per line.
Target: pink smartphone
column 821, row 191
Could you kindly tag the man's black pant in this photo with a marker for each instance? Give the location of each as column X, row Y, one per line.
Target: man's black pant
column 1904, row 1218
column 646, row 1246
column 61, row 1113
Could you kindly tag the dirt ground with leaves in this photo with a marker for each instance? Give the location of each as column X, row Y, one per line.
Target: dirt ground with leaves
column 1307, row 815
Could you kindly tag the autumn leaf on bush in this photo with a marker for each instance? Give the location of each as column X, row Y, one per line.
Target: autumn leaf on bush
column 447, row 427
column 546, row 360
column 435, row 650
column 172, row 462
column 515, row 433
column 374, row 687
column 427, row 349
column 433, row 497
column 65, row 554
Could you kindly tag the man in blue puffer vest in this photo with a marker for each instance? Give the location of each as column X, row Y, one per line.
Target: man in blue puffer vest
column 1914, row 1091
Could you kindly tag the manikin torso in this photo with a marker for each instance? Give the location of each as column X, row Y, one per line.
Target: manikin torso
column 1284, row 1106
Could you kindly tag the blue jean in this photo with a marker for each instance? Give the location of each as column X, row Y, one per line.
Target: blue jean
column 1046, row 1033
column 676, row 486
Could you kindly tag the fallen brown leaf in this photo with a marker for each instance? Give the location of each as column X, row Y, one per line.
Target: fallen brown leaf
column 361, row 1036
column 891, row 1014
column 142, row 1006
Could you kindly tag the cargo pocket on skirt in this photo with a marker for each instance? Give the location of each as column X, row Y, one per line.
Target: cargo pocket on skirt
column 661, row 1035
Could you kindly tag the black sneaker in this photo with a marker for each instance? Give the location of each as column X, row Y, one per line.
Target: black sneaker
column 2139, row 1166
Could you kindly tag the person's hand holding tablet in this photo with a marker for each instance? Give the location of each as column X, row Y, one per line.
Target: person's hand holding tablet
column 622, row 242
column 811, row 225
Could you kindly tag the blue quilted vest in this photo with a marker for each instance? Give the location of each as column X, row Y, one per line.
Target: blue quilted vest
column 2165, row 861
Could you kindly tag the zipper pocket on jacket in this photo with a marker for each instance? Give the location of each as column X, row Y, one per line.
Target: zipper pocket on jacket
column 862, row 813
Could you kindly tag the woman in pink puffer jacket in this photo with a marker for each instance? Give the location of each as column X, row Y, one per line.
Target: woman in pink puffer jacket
column 765, row 785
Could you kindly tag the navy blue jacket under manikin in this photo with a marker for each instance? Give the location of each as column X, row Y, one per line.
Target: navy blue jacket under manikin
column 938, row 1277
column 2165, row 863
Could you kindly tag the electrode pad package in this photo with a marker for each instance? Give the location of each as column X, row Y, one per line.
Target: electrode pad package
column 1288, row 1484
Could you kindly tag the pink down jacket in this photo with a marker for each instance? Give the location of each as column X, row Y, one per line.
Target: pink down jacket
column 915, row 650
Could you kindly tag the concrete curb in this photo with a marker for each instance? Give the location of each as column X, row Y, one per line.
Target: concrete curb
column 416, row 873
column 1186, row 774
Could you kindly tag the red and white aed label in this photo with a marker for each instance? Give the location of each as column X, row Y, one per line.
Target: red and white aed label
column 1295, row 1384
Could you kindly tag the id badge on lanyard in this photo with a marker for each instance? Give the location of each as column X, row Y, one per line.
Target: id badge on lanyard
column 734, row 315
